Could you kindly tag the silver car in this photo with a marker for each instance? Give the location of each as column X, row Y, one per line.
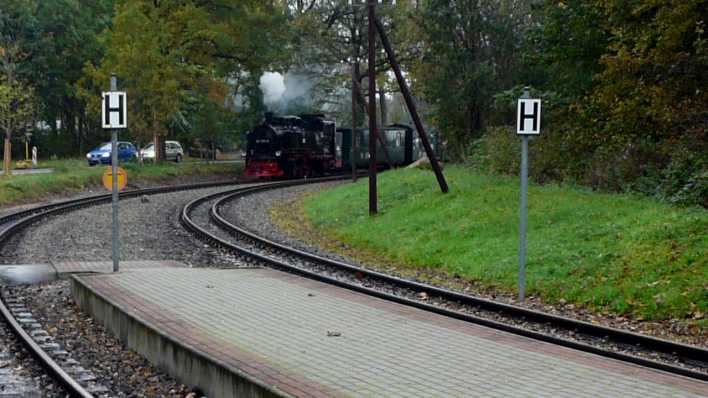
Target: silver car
column 173, row 151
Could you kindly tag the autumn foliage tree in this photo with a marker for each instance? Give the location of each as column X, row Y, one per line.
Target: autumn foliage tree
column 167, row 52
column 17, row 102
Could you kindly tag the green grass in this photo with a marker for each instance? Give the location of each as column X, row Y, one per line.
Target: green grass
column 618, row 253
column 74, row 175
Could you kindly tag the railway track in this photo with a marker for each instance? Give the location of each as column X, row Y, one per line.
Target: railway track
column 52, row 358
column 219, row 231
column 203, row 217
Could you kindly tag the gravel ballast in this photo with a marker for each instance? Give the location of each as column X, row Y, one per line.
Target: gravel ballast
column 123, row 372
column 149, row 230
column 20, row 374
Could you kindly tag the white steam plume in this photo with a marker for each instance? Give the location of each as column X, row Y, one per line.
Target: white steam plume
column 273, row 87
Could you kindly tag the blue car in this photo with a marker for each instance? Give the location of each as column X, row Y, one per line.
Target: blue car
column 102, row 154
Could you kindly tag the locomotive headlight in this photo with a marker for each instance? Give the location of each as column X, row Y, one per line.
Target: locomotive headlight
column 278, row 153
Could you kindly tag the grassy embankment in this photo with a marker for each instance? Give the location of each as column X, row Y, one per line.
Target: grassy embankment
column 619, row 253
column 74, row 175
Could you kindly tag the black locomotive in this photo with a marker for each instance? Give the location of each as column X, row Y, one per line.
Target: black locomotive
column 310, row 145
column 291, row 146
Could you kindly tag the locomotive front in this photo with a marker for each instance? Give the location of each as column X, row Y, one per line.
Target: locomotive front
column 263, row 150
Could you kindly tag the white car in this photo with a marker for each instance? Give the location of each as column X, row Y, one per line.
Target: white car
column 173, row 151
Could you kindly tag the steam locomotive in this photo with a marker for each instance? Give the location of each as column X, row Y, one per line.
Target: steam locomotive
column 310, row 145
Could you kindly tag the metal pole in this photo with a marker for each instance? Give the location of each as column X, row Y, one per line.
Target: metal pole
column 411, row 106
column 373, row 205
column 114, row 171
column 523, row 214
column 355, row 79
column 523, row 210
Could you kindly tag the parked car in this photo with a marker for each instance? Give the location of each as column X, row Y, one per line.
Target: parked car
column 102, row 154
column 173, row 151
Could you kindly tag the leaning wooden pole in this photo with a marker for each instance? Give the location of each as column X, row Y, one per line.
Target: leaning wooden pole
column 411, row 106
column 373, row 198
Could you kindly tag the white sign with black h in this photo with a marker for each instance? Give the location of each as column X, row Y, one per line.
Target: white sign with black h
column 528, row 117
column 114, row 107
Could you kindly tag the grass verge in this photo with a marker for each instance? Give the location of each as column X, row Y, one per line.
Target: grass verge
column 74, row 175
column 620, row 253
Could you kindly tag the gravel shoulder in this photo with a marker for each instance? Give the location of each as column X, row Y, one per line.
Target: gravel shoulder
column 149, row 230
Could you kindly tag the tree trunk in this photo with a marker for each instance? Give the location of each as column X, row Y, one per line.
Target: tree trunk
column 7, row 158
column 157, row 144
column 382, row 106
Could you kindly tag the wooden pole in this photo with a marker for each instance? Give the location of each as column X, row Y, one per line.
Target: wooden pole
column 379, row 137
column 411, row 106
column 355, row 90
column 373, row 205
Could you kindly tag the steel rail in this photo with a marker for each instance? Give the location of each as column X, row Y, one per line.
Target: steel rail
column 72, row 386
column 21, row 219
column 683, row 350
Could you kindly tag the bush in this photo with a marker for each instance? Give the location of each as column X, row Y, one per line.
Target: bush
column 675, row 172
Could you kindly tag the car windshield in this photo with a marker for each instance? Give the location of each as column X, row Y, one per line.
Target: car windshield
column 104, row 147
column 149, row 147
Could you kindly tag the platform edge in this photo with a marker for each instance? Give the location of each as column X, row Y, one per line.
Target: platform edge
column 187, row 364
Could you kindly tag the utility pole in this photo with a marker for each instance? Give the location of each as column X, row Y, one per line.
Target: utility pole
column 373, row 132
column 355, row 89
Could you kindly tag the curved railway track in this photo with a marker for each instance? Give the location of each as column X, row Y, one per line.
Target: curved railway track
column 319, row 268
column 280, row 256
column 13, row 223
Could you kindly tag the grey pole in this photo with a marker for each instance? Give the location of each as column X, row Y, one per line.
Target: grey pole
column 523, row 211
column 523, row 208
column 114, row 170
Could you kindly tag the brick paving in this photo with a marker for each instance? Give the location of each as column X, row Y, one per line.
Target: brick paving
column 310, row 339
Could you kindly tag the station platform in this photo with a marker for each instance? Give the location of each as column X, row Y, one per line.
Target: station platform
column 263, row 333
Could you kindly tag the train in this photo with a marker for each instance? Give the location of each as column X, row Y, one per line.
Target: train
column 309, row 145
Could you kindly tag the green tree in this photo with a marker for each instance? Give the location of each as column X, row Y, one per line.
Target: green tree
column 17, row 103
column 167, row 52
column 469, row 53
column 58, row 37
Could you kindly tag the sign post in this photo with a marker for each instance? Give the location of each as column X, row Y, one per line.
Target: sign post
column 528, row 123
column 114, row 117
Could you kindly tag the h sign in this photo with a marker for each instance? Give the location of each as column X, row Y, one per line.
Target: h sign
column 114, row 113
column 528, row 116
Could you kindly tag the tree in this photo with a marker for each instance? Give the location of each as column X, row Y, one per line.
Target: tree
column 469, row 53
column 17, row 106
column 165, row 52
column 58, row 37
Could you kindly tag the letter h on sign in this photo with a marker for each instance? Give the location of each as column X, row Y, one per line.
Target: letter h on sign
column 529, row 116
column 114, row 110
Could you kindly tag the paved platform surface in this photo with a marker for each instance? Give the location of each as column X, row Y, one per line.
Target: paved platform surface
column 69, row 267
column 310, row 339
